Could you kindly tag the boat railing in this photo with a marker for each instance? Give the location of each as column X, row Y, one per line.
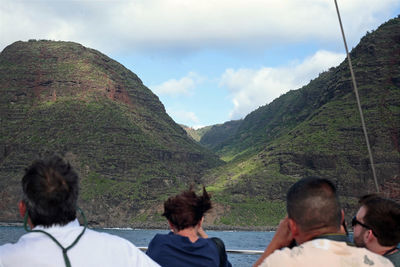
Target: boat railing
column 234, row 251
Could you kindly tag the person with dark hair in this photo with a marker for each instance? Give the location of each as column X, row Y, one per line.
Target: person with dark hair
column 314, row 222
column 49, row 205
column 187, row 244
column 377, row 226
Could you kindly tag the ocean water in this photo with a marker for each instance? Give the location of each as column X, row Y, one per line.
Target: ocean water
column 234, row 240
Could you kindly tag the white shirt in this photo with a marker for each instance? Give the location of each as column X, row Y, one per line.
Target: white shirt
column 94, row 249
column 324, row 252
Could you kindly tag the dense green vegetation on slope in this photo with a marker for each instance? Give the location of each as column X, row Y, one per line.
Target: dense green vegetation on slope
column 65, row 98
column 219, row 135
column 196, row 134
column 316, row 130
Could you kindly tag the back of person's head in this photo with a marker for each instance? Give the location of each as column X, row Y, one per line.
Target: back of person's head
column 313, row 204
column 50, row 190
column 186, row 209
column 383, row 216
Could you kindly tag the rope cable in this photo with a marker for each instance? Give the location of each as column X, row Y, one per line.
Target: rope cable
column 358, row 100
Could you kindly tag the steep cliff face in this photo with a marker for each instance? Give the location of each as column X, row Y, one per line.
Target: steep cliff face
column 316, row 130
column 219, row 135
column 65, row 98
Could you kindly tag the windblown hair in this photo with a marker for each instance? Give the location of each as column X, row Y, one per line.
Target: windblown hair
column 313, row 204
column 383, row 216
column 186, row 209
column 50, row 190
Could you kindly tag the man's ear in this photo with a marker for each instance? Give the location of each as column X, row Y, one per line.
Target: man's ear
column 342, row 219
column 171, row 226
column 343, row 226
column 22, row 208
column 201, row 221
column 369, row 237
column 293, row 228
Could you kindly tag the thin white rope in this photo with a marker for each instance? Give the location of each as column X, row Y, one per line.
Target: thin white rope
column 358, row 100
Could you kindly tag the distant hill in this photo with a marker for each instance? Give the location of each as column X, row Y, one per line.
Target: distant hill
column 315, row 130
column 218, row 136
column 66, row 98
column 196, row 134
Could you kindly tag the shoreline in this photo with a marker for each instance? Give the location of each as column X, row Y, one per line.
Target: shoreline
column 156, row 226
column 12, row 224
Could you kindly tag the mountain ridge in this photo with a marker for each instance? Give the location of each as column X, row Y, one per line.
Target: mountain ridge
column 131, row 155
column 316, row 130
column 65, row 98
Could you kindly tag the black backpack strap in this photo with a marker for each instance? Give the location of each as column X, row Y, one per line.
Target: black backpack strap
column 221, row 250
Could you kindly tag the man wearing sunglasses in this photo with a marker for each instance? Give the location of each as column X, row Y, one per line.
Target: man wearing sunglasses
column 314, row 219
column 377, row 227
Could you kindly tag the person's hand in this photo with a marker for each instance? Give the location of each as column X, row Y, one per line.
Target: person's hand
column 201, row 232
column 282, row 238
column 283, row 235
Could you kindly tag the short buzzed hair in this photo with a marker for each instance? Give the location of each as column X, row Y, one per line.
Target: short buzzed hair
column 312, row 203
column 383, row 216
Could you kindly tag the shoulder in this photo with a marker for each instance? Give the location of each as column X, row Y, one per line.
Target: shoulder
column 102, row 241
column 319, row 251
column 161, row 238
column 111, row 250
column 371, row 258
column 21, row 244
column 217, row 241
column 282, row 257
column 106, row 237
column 120, row 248
column 217, row 244
column 394, row 258
column 367, row 256
column 364, row 256
column 160, row 241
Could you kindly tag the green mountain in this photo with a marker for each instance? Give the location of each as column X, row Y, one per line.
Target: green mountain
column 196, row 134
column 63, row 97
column 217, row 136
column 315, row 130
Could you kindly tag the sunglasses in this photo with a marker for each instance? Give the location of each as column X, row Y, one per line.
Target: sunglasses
column 354, row 222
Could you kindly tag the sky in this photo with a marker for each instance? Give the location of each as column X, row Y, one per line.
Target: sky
column 208, row 61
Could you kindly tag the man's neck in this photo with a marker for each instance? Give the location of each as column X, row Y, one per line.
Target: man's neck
column 381, row 250
column 190, row 232
column 310, row 235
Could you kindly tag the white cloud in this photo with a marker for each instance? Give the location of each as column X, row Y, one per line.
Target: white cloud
column 252, row 88
column 190, row 24
column 183, row 116
column 196, row 127
column 193, row 23
column 184, row 85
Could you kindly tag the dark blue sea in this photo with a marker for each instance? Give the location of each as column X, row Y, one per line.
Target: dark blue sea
column 234, row 240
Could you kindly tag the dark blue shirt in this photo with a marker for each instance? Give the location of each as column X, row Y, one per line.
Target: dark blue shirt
column 175, row 250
